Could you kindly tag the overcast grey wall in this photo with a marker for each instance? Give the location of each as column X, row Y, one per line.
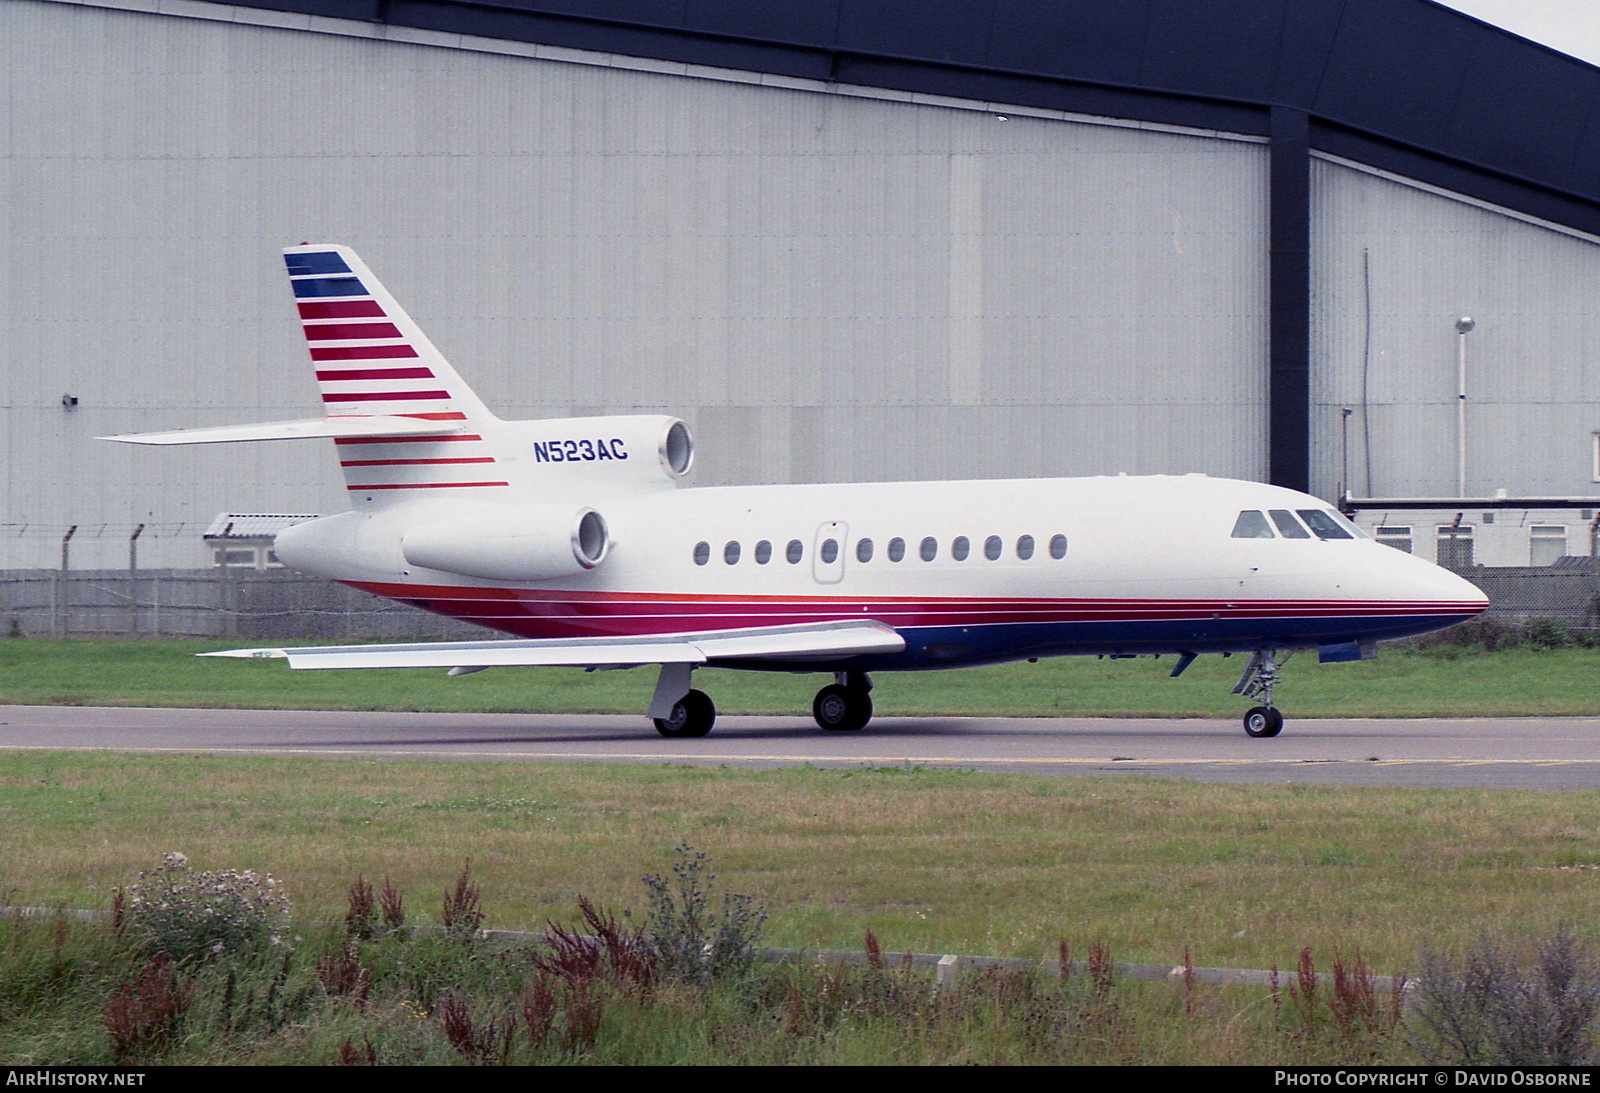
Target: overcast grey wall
column 1426, row 259
column 827, row 285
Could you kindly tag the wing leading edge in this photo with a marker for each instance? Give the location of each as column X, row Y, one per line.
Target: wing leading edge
column 816, row 641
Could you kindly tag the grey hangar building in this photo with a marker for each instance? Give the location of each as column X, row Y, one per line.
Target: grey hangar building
column 1346, row 246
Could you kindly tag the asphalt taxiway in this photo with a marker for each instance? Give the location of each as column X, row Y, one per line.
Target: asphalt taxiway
column 1496, row 753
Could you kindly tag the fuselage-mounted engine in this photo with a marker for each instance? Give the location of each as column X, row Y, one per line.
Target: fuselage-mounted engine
column 511, row 543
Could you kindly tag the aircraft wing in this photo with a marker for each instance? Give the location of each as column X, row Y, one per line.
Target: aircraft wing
column 375, row 425
column 811, row 641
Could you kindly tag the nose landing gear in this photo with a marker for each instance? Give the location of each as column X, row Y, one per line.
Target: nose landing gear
column 1257, row 680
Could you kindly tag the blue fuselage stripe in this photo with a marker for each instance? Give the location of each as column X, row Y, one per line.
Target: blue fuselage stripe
column 954, row 646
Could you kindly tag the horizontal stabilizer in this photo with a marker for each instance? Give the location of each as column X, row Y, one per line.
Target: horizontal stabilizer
column 296, row 430
column 815, row 641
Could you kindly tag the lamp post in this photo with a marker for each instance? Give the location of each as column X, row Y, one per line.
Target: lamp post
column 1463, row 325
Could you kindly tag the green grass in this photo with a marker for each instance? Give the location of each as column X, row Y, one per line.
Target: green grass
column 928, row 859
column 1444, row 681
column 932, row 860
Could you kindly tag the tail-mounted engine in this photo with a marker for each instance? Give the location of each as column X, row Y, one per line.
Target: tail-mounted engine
column 627, row 451
column 511, row 543
column 577, row 458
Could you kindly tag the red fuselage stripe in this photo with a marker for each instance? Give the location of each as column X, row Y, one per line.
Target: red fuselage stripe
column 554, row 614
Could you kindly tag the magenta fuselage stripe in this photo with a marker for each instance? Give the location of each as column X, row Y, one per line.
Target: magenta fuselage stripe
column 537, row 615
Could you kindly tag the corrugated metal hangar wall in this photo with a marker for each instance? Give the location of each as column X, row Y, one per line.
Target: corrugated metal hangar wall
column 829, row 282
column 1394, row 267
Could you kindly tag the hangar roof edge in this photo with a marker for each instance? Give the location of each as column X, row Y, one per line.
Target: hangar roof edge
column 1408, row 86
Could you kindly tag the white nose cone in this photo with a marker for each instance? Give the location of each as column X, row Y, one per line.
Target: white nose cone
column 1416, row 595
column 1419, row 579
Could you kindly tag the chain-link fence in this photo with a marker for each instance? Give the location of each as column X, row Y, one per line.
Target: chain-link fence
column 280, row 605
column 270, row 605
column 1567, row 592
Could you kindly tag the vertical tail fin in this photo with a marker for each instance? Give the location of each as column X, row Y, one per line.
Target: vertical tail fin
column 372, row 359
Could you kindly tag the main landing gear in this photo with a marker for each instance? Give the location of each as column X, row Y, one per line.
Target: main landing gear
column 845, row 705
column 1257, row 680
column 692, row 715
column 677, row 711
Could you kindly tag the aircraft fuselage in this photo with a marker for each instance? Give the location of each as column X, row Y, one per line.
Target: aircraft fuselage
column 969, row 572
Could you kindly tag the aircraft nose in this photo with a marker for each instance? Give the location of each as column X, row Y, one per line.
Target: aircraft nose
column 1424, row 587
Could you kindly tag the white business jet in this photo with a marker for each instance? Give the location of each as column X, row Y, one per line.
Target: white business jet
column 572, row 534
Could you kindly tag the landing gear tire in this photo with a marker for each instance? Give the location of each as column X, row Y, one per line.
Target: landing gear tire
column 1263, row 721
column 693, row 715
column 842, row 709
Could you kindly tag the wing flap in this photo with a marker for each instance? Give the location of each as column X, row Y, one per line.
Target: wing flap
column 814, row 641
column 307, row 428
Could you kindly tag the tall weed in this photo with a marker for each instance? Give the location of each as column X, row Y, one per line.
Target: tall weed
column 692, row 941
column 1498, row 1005
column 197, row 916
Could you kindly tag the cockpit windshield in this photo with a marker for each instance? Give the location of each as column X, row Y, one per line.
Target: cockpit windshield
column 1324, row 524
column 1288, row 526
column 1252, row 525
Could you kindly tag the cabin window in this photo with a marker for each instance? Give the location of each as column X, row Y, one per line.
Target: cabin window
column 794, row 551
column 992, row 547
column 763, row 552
column 1324, row 524
column 730, row 553
column 702, row 553
column 830, row 551
column 1288, row 526
column 897, row 549
column 960, row 548
column 1058, row 547
column 864, row 550
column 930, row 549
column 1025, row 547
column 1252, row 525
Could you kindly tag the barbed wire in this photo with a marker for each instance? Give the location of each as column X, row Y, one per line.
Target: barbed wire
column 104, row 530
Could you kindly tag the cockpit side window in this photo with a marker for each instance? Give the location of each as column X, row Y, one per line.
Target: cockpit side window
column 1345, row 522
column 1288, row 526
column 1323, row 524
column 1252, row 525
